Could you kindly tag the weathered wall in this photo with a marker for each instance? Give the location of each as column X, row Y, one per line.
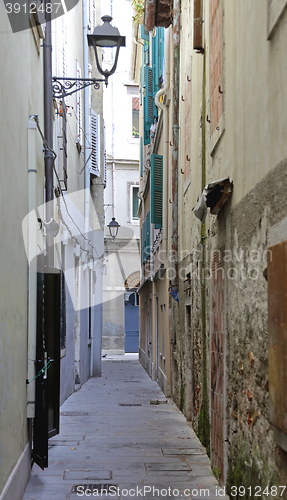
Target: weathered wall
column 21, row 60
column 249, row 432
column 219, row 329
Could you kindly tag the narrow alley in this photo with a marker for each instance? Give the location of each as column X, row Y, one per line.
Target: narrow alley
column 120, row 430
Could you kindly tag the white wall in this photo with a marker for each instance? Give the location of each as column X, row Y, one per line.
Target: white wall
column 118, row 95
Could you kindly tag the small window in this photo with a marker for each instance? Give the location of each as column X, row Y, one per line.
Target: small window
column 135, row 202
column 135, row 116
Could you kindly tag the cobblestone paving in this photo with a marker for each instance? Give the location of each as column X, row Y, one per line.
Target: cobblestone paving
column 113, row 439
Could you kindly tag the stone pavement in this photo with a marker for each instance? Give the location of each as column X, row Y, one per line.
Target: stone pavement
column 111, row 434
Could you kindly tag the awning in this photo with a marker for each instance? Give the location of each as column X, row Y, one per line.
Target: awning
column 214, row 196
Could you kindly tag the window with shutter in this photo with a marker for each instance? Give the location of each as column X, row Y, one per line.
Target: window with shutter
column 79, row 125
column 92, row 15
column 64, row 45
column 135, row 202
column 141, row 157
column 64, row 145
column 144, row 33
column 156, row 190
column 95, row 143
column 135, row 116
column 148, row 104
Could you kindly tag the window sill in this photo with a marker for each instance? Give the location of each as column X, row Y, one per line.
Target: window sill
column 133, row 140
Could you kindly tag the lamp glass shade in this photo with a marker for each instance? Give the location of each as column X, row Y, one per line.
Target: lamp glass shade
column 113, row 228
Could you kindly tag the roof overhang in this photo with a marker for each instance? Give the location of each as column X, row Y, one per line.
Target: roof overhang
column 157, row 13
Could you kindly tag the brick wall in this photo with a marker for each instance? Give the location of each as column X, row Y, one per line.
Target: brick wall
column 217, row 360
column 215, row 63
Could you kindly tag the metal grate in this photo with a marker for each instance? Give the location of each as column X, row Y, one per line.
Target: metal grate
column 129, row 404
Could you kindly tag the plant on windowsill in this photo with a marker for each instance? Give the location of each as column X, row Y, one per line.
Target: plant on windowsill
column 138, row 6
column 135, row 133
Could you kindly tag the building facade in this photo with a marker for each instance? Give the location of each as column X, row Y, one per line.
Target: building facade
column 121, row 112
column 53, row 249
column 218, row 243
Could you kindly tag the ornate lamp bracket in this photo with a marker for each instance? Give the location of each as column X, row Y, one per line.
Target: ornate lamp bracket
column 63, row 87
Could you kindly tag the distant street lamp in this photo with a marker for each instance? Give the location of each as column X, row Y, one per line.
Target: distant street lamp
column 105, row 35
column 113, row 228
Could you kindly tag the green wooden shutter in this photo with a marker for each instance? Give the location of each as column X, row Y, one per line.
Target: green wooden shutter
column 141, row 157
column 156, row 190
column 148, row 104
column 144, row 33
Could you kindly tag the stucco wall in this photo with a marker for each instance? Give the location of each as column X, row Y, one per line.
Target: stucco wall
column 220, row 331
column 17, row 103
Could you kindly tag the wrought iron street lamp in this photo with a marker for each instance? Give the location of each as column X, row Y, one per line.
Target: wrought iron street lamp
column 105, row 35
column 113, row 228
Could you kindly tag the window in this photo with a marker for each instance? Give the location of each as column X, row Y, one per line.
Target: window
column 135, row 116
column 79, row 128
column 64, row 156
column 95, row 143
column 132, row 203
column 37, row 20
column 135, row 202
column 216, row 110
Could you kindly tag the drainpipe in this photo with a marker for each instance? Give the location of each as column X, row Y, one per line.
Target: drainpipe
column 164, row 108
column 87, row 114
column 48, row 130
column 113, row 187
column 32, row 262
column 87, row 154
column 175, row 131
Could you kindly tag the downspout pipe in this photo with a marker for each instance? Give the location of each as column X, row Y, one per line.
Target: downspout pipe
column 32, row 263
column 87, row 114
column 48, row 130
column 175, row 131
column 87, row 154
column 164, row 108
